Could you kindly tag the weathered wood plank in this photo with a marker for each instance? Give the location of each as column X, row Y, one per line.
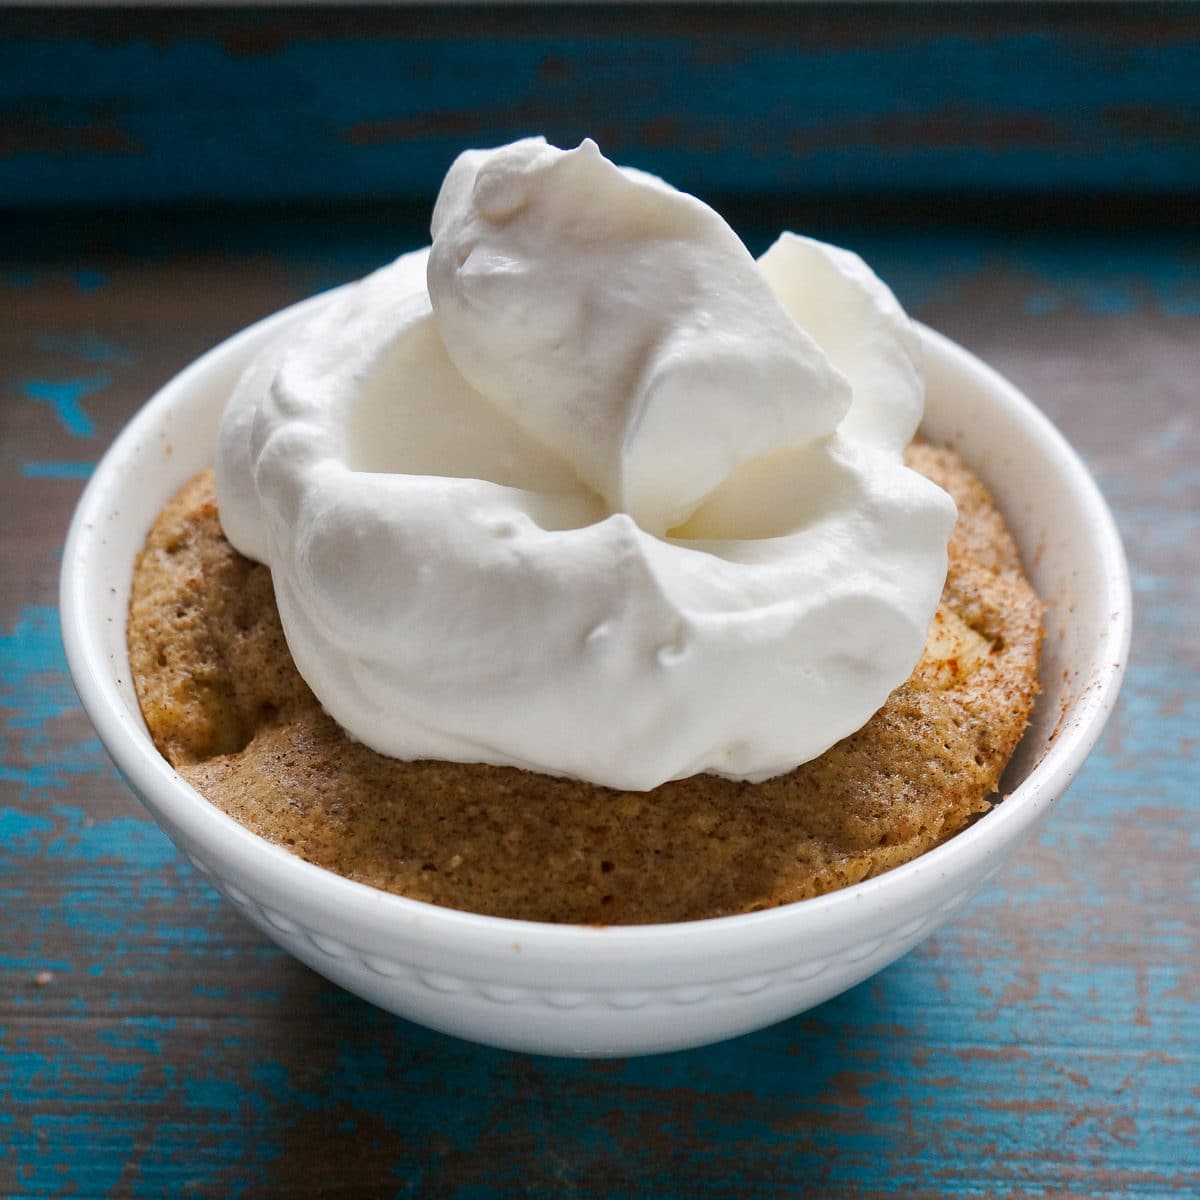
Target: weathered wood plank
column 102, row 107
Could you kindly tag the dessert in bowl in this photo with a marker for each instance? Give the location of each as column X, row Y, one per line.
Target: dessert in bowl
column 591, row 989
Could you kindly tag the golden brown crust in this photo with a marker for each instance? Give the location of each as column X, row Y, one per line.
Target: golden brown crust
column 226, row 706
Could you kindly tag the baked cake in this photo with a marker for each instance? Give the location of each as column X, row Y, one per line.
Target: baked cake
column 227, row 708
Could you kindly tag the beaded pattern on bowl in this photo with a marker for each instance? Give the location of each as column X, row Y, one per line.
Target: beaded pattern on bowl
column 557, row 998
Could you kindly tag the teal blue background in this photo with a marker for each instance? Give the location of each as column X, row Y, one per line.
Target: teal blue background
column 371, row 105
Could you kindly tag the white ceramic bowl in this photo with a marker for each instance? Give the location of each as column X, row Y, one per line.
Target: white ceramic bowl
column 632, row 990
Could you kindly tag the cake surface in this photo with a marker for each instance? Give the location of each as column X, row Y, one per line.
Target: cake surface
column 226, row 706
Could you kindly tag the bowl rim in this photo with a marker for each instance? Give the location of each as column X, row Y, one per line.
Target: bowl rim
column 351, row 905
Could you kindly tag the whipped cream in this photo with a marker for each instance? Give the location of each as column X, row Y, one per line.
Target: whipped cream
column 585, row 489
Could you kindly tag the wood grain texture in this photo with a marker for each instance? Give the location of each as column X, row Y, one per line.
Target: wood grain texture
column 1046, row 1043
column 105, row 107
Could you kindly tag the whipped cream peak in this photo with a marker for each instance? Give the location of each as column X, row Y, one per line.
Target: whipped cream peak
column 585, row 489
column 623, row 323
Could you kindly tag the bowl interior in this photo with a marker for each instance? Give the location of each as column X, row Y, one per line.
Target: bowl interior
column 1069, row 547
column 1068, row 542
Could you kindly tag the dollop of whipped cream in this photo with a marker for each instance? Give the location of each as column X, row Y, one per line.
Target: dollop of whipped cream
column 585, row 489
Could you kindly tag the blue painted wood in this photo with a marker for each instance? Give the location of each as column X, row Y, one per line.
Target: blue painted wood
column 257, row 106
column 1046, row 1043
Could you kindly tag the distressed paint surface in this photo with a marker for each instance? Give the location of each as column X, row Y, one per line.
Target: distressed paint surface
column 277, row 106
column 1046, row 1043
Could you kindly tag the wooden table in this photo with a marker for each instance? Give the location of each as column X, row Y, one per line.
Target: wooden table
column 1046, row 1043
column 1021, row 174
